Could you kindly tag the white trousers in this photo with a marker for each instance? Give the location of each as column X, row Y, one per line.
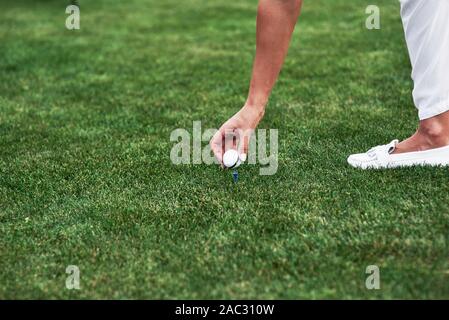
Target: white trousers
column 426, row 26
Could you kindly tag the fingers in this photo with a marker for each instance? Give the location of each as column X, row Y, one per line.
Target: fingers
column 223, row 140
column 216, row 144
column 226, row 139
column 230, row 139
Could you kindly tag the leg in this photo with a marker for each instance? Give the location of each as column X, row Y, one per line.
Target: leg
column 432, row 133
column 426, row 26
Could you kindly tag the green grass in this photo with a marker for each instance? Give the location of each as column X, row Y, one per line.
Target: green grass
column 86, row 178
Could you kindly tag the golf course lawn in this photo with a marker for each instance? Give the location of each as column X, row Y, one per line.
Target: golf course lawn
column 86, row 177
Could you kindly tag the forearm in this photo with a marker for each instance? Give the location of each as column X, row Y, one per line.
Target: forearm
column 276, row 20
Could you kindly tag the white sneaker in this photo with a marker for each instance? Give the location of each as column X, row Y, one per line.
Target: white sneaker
column 381, row 157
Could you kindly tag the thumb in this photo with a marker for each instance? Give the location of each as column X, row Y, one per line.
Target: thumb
column 245, row 138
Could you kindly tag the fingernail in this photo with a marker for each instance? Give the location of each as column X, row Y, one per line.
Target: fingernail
column 243, row 157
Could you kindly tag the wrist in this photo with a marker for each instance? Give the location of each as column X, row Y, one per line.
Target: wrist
column 260, row 106
column 257, row 111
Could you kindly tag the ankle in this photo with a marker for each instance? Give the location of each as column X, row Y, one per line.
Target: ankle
column 434, row 134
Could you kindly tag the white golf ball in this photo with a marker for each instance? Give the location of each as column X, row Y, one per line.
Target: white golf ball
column 231, row 159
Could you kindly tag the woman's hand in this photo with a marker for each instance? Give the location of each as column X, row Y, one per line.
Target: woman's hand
column 236, row 132
column 275, row 24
